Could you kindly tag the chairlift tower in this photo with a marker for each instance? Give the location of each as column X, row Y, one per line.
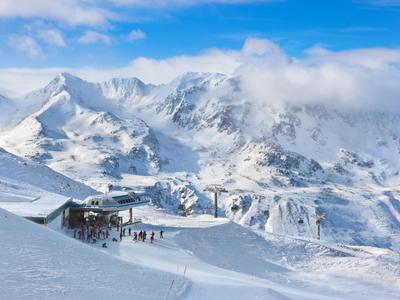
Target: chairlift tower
column 319, row 218
column 215, row 189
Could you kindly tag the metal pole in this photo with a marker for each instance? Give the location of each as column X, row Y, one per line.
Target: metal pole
column 215, row 204
column 318, row 229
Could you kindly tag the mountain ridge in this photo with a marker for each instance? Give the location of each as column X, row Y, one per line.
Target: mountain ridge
column 281, row 162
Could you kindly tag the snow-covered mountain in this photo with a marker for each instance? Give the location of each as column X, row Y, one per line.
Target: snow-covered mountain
column 23, row 176
column 282, row 162
column 75, row 131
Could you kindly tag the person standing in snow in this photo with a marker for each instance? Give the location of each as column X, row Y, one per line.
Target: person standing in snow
column 144, row 235
column 152, row 237
column 140, row 237
column 75, row 234
column 107, row 233
column 135, row 237
column 161, row 234
column 129, row 231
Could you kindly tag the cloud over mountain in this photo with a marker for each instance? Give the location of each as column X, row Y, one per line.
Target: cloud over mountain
column 360, row 78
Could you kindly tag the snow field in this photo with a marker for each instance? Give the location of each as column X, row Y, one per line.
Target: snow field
column 39, row 263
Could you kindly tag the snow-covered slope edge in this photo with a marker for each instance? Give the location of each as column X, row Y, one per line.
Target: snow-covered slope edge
column 22, row 171
column 40, row 263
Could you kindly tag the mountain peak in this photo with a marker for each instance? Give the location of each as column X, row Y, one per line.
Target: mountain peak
column 125, row 88
column 198, row 79
column 70, row 83
column 66, row 78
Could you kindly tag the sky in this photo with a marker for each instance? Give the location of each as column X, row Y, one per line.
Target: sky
column 109, row 38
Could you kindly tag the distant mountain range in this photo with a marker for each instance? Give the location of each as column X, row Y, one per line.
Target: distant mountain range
column 283, row 163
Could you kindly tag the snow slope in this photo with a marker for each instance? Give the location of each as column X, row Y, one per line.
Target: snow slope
column 199, row 258
column 226, row 261
column 38, row 263
column 21, row 175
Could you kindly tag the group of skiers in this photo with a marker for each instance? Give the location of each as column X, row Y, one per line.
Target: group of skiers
column 92, row 233
column 142, row 235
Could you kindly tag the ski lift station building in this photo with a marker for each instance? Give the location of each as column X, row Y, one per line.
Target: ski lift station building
column 60, row 211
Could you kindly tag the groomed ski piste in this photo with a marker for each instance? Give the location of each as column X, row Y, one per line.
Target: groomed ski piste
column 199, row 258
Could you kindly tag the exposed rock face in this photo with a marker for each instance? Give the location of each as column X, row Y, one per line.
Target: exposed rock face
column 349, row 157
column 178, row 197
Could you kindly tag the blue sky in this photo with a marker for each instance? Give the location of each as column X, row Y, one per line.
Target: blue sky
column 157, row 40
column 161, row 29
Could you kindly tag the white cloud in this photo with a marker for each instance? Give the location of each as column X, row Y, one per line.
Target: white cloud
column 136, row 35
column 52, row 37
column 72, row 12
column 356, row 79
column 92, row 12
column 26, row 44
column 92, row 37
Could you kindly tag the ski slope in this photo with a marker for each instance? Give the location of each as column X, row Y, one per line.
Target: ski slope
column 224, row 260
column 39, row 263
column 199, row 258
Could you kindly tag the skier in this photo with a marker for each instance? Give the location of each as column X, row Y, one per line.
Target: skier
column 140, row 237
column 75, row 234
column 104, row 245
column 135, row 236
column 129, row 231
column 161, row 234
column 152, row 237
column 144, row 236
column 107, row 233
